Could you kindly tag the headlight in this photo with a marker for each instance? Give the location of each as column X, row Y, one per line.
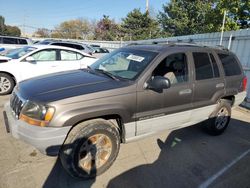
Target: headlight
column 36, row 114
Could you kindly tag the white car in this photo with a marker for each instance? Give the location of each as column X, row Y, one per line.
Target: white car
column 36, row 60
column 9, row 42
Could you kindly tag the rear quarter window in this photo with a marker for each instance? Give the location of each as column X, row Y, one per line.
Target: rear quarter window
column 230, row 64
column 22, row 41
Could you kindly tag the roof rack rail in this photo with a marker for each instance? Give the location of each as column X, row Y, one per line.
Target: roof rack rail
column 222, row 47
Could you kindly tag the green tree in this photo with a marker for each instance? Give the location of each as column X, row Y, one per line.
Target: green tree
column 7, row 29
column 139, row 26
column 107, row 29
column 12, row 31
column 180, row 17
column 2, row 25
column 237, row 12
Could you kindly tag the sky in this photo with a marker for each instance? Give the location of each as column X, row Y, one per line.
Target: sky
column 50, row 13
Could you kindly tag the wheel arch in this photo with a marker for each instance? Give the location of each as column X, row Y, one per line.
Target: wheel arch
column 115, row 119
column 12, row 76
column 230, row 98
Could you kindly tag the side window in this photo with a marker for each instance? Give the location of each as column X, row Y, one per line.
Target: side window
column 203, row 67
column 79, row 56
column 79, row 47
column 174, row 67
column 7, row 40
column 230, row 65
column 45, row 55
column 68, row 55
column 215, row 66
column 22, row 41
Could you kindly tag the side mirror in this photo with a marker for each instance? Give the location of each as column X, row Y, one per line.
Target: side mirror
column 158, row 83
column 30, row 59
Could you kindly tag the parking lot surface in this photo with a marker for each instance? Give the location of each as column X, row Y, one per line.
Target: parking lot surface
column 183, row 158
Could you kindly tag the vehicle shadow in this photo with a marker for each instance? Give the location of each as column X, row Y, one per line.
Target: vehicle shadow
column 190, row 157
column 58, row 176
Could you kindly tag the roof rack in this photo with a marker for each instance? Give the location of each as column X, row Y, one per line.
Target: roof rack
column 221, row 47
column 191, row 43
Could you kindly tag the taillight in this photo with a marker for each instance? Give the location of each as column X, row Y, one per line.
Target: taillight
column 245, row 83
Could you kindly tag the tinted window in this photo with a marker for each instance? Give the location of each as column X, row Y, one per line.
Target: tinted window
column 79, row 47
column 230, row 65
column 44, row 42
column 75, row 46
column 174, row 67
column 215, row 66
column 62, row 44
column 203, row 67
column 22, row 41
column 45, row 55
column 7, row 40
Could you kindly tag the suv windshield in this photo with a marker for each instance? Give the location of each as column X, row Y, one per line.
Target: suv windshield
column 19, row 52
column 124, row 63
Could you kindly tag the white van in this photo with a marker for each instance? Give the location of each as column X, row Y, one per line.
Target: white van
column 9, row 42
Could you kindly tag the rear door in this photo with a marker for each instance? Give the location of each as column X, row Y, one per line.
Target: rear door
column 209, row 84
column 69, row 60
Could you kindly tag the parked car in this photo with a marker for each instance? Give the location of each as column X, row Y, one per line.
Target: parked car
column 69, row 44
column 129, row 94
column 9, row 42
column 36, row 60
column 99, row 52
column 95, row 45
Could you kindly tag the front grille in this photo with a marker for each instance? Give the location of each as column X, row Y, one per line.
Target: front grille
column 16, row 104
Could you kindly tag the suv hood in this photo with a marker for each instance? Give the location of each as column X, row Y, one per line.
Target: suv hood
column 62, row 85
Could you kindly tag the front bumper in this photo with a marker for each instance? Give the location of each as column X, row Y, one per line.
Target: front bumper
column 48, row 140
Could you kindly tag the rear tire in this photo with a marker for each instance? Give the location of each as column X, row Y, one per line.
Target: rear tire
column 7, row 84
column 90, row 148
column 220, row 118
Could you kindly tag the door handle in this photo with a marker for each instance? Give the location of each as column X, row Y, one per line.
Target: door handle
column 185, row 91
column 220, row 85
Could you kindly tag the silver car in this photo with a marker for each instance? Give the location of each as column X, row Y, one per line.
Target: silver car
column 69, row 44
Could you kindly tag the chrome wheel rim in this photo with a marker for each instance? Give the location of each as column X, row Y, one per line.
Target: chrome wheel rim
column 94, row 152
column 4, row 84
column 222, row 118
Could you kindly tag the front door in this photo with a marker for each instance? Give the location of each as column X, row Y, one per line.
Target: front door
column 170, row 108
column 45, row 62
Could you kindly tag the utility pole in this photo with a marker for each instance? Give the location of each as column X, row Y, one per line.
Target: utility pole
column 222, row 28
column 147, row 6
column 24, row 19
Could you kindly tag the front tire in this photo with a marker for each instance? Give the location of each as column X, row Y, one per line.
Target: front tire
column 6, row 84
column 90, row 148
column 220, row 118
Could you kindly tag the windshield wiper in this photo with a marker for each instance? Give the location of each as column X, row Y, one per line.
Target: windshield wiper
column 107, row 74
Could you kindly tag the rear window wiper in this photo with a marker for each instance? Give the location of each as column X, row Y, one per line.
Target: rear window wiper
column 107, row 74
